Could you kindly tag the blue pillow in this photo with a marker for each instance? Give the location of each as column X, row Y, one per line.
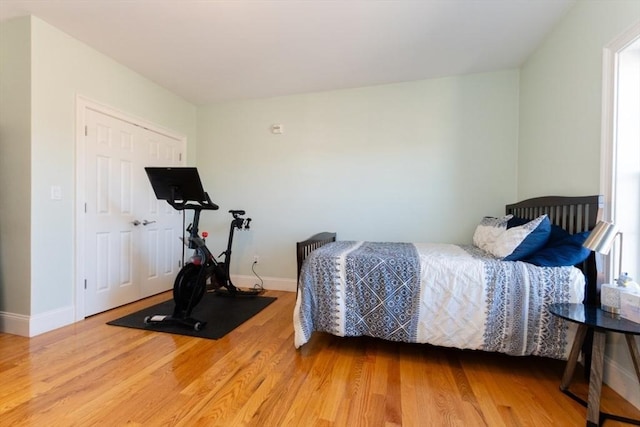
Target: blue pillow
column 534, row 241
column 563, row 249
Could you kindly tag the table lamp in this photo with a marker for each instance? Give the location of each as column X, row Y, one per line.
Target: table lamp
column 601, row 240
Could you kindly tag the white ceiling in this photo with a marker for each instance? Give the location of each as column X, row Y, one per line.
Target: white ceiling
column 208, row 51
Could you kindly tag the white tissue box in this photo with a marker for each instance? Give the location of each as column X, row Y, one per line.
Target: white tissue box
column 610, row 298
column 630, row 306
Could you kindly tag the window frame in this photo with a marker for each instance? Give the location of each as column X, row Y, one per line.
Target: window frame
column 608, row 160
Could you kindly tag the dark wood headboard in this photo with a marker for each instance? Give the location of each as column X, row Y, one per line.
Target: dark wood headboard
column 574, row 214
column 304, row 248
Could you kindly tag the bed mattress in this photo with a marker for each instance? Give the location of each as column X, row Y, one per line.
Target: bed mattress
column 440, row 294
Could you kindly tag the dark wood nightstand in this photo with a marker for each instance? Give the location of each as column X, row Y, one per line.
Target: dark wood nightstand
column 600, row 322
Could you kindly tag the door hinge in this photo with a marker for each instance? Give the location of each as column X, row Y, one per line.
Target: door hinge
column 179, row 157
column 86, row 130
column 85, row 208
column 85, row 283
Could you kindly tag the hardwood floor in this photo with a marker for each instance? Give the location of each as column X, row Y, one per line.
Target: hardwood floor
column 90, row 374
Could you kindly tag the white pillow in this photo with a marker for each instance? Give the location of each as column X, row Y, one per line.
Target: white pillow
column 488, row 231
column 510, row 239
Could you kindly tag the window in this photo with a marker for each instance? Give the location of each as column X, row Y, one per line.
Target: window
column 621, row 149
column 626, row 196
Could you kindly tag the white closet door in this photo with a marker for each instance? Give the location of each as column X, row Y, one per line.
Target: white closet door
column 131, row 239
column 161, row 246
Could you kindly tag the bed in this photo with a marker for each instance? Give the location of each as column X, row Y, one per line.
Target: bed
column 463, row 296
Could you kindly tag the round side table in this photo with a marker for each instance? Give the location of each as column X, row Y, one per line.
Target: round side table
column 600, row 322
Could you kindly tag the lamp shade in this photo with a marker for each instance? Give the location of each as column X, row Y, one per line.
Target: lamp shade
column 601, row 237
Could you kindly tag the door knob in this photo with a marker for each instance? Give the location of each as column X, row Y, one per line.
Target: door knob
column 145, row 222
column 135, row 222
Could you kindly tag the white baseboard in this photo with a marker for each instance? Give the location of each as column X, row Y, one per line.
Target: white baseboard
column 30, row 326
column 270, row 283
column 15, row 324
column 624, row 383
column 45, row 322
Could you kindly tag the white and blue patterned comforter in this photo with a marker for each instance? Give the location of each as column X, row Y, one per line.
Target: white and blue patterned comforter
column 440, row 294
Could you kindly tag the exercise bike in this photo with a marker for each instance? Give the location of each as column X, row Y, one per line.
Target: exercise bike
column 182, row 189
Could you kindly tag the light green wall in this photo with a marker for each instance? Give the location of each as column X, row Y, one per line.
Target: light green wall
column 561, row 100
column 15, row 166
column 61, row 68
column 560, row 125
column 418, row 161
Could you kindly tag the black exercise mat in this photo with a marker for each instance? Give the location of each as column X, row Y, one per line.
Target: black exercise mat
column 222, row 314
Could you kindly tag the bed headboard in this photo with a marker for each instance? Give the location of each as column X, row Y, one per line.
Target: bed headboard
column 304, row 248
column 574, row 214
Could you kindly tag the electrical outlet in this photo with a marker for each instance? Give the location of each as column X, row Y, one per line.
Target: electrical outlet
column 256, row 259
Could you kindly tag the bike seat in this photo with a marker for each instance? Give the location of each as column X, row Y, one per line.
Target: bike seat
column 237, row 212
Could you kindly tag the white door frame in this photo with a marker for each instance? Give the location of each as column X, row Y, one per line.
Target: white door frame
column 82, row 104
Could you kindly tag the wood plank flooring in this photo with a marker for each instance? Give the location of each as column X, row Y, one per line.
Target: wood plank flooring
column 93, row 374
